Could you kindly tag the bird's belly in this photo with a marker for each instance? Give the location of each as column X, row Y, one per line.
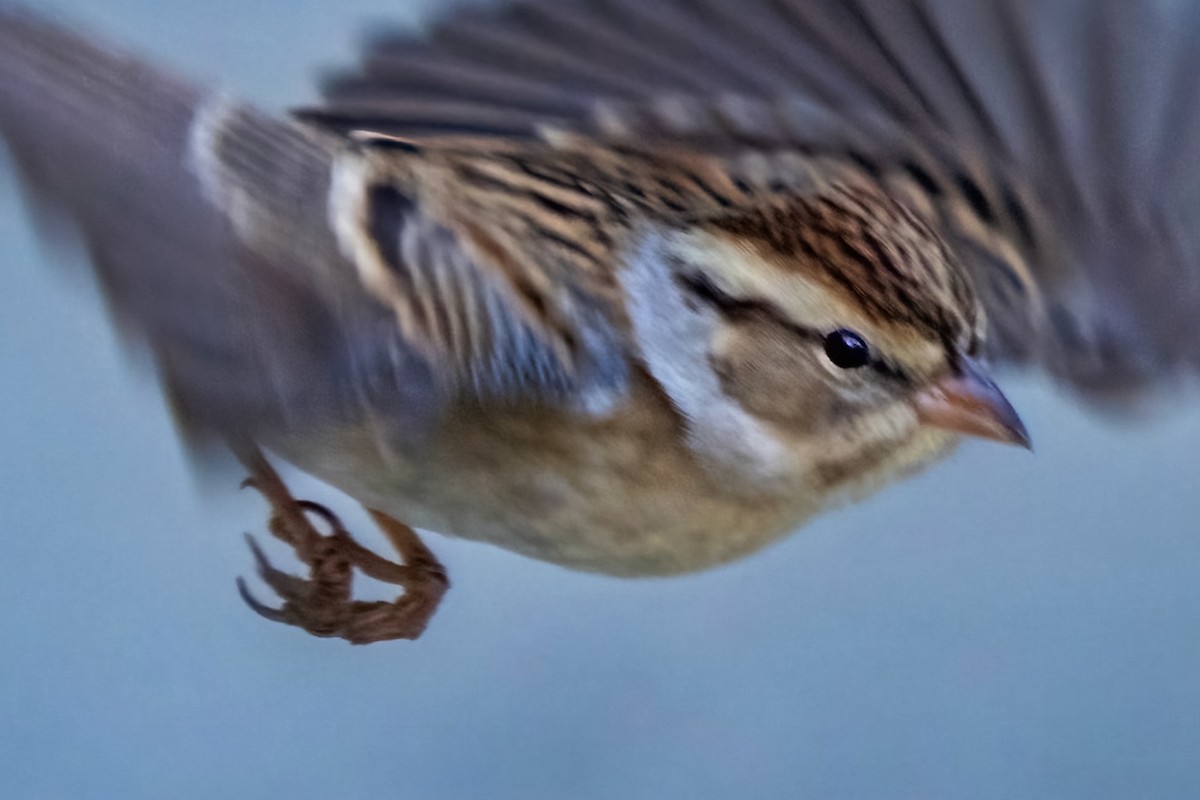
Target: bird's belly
column 594, row 523
column 624, row 497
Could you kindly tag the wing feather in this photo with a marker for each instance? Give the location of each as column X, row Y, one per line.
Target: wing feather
column 1058, row 140
column 210, row 226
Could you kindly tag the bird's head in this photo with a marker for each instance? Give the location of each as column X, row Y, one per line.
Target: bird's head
column 831, row 336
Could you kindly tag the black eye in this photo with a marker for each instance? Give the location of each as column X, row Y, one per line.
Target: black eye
column 848, row 350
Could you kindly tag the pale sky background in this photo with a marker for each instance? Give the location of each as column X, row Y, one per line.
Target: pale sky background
column 1008, row 625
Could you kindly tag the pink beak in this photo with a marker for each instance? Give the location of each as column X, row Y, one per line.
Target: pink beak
column 967, row 401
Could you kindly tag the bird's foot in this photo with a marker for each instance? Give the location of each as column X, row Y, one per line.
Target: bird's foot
column 322, row 604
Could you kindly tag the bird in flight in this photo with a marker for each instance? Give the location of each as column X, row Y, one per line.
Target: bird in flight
column 632, row 286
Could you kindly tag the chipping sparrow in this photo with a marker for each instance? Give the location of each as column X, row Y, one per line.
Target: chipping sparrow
column 634, row 288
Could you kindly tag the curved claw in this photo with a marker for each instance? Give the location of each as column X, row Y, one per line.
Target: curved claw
column 289, row 587
column 260, row 558
column 331, row 519
column 322, row 603
column 264, row 611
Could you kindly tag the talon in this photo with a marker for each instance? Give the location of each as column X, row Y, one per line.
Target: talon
column 264, row 611
column 289, row 587
column 260, row 558
column 335, row 524
column 323, row 604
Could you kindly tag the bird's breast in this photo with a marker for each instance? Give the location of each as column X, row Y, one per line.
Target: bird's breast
column 621, row 495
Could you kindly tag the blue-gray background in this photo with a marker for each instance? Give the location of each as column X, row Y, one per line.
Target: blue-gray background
column 1005, row 626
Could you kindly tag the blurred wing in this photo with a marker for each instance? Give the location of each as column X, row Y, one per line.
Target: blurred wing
column 1058, row 141
column 209, row 225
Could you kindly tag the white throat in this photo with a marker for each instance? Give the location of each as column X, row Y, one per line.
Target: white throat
column 674, row 339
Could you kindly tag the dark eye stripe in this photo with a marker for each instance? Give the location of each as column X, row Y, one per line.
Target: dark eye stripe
column 703, row 289
column 889, row 370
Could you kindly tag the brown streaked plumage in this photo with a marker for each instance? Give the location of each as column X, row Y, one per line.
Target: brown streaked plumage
column 872, row 248
column 633, row 289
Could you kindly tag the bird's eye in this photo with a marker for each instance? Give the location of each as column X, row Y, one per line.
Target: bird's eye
column 846, row 349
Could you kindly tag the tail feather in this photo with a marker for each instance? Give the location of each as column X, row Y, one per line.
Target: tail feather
column 110, row 144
